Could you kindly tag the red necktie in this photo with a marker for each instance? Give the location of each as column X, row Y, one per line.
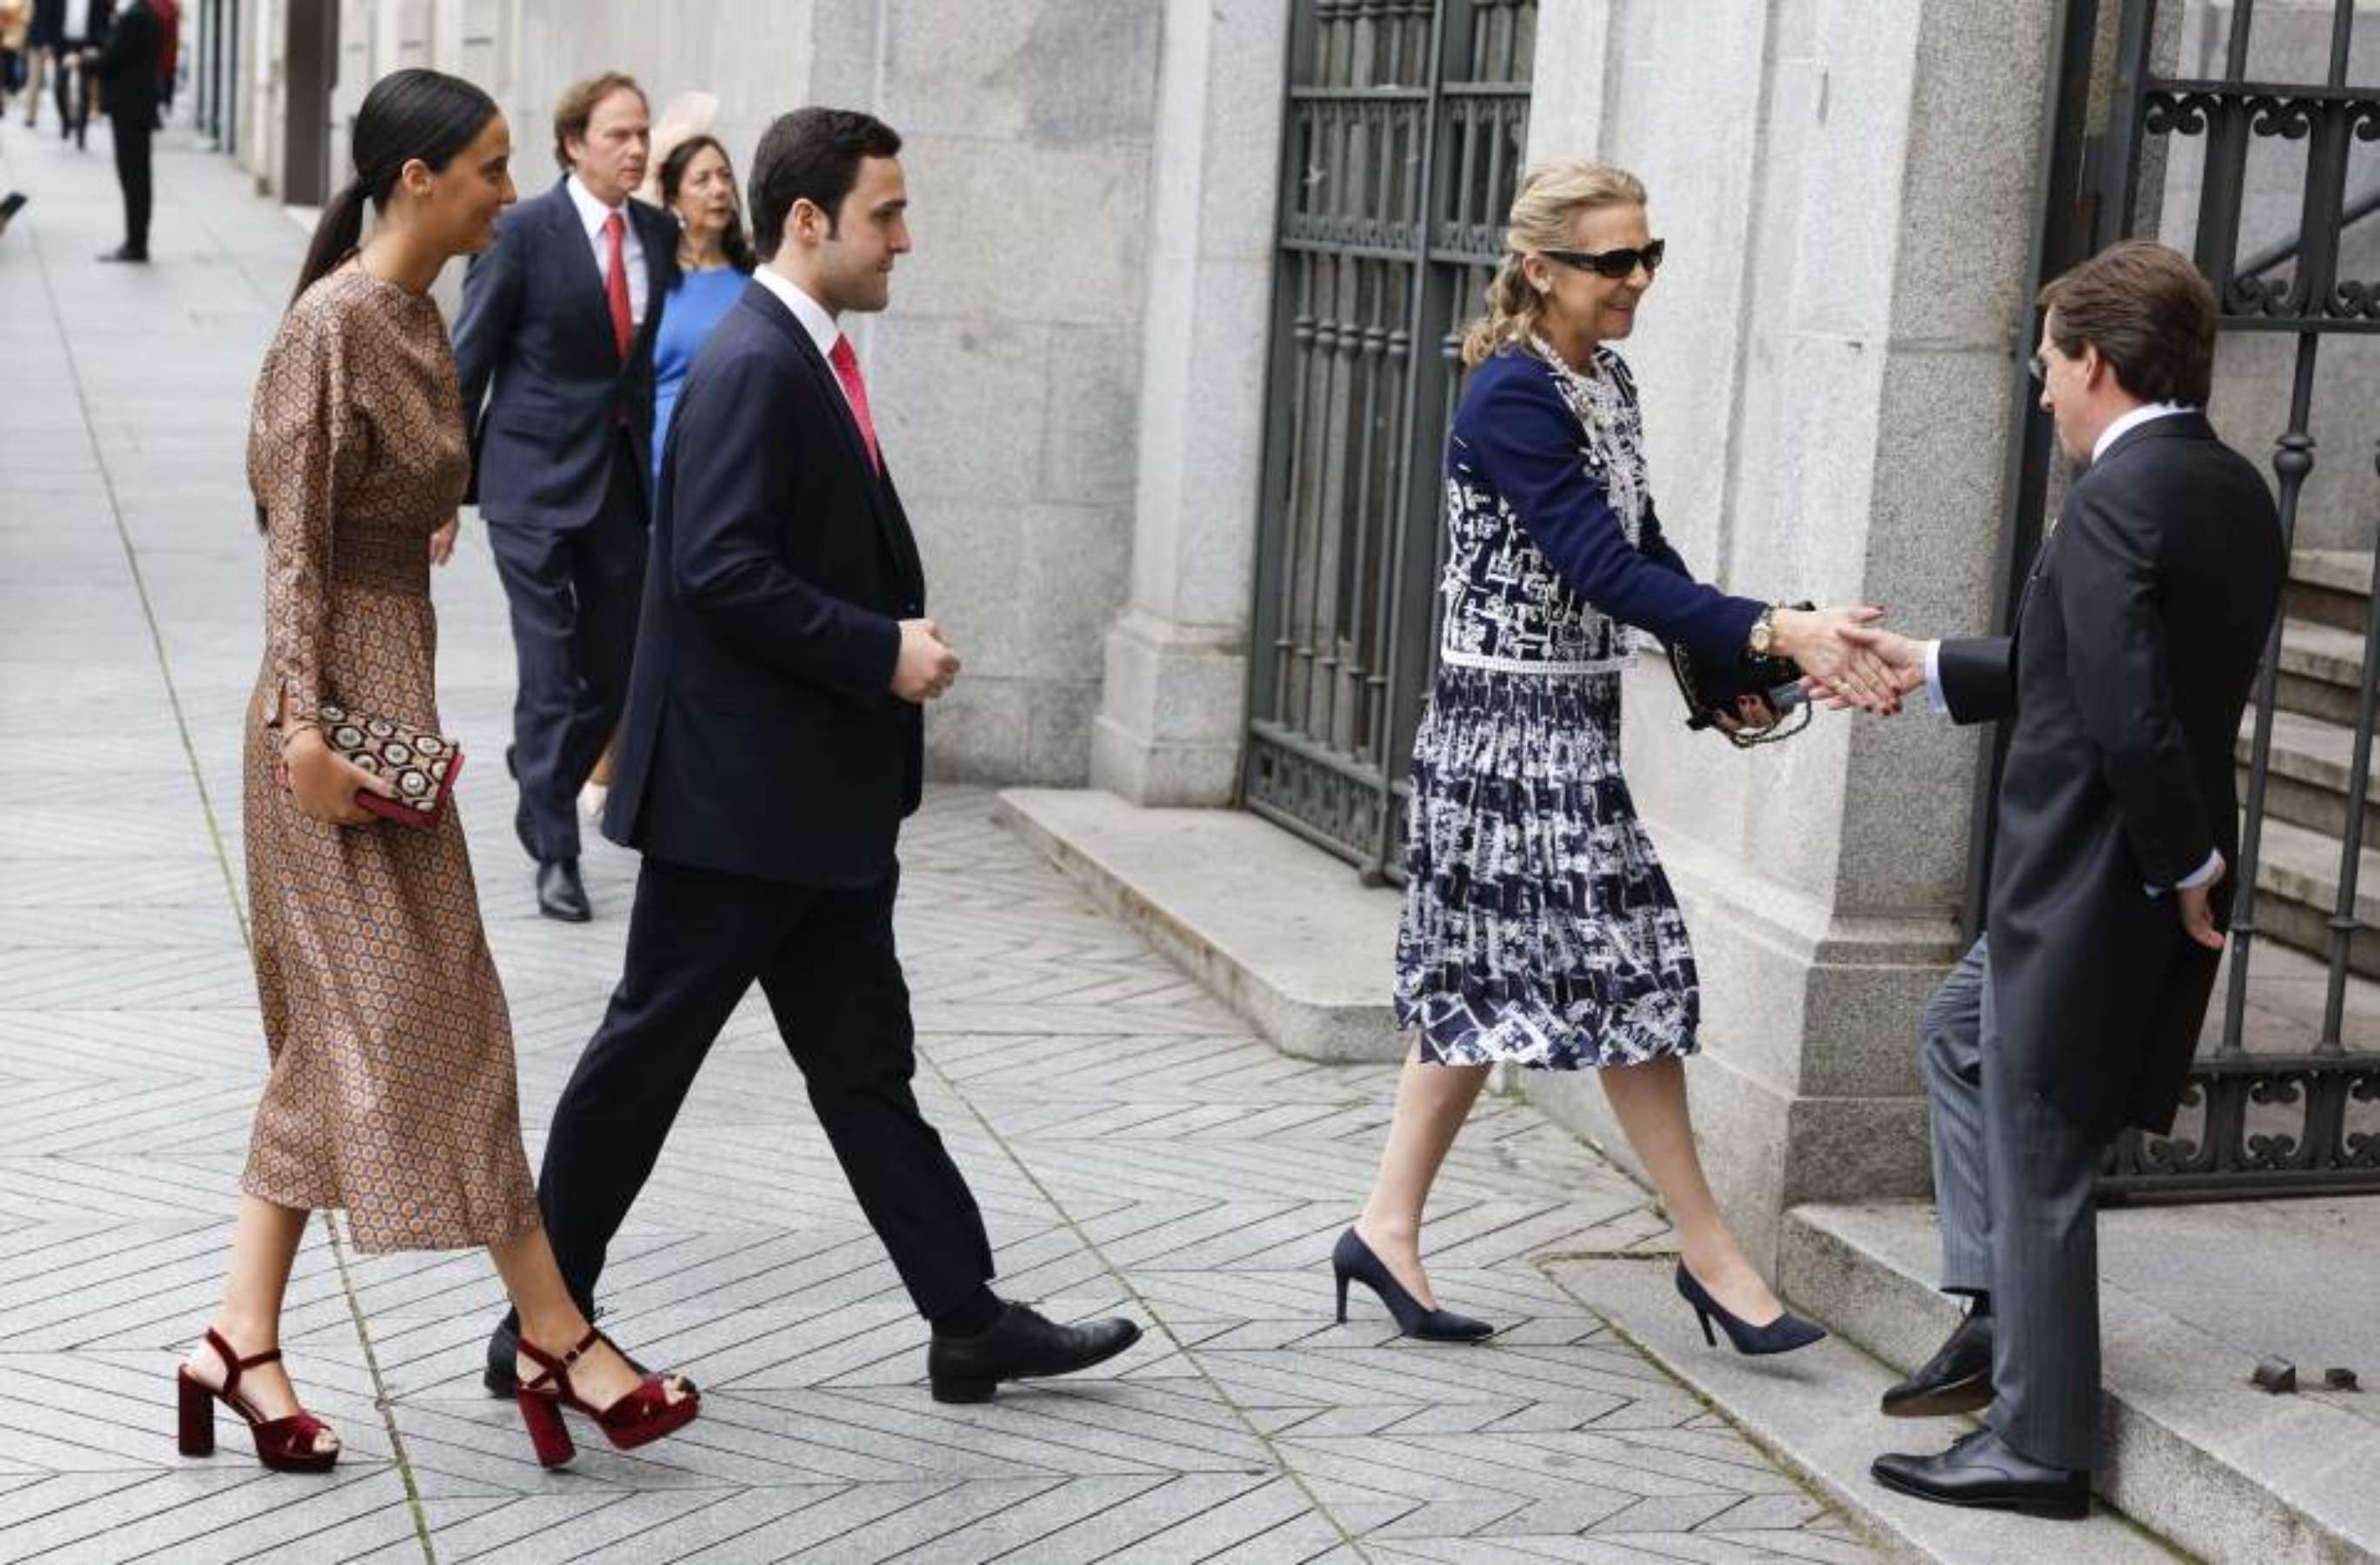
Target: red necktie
column 615, row 282
column 846, row 370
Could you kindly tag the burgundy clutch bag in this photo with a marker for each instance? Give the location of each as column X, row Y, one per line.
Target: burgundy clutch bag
column 422, row 766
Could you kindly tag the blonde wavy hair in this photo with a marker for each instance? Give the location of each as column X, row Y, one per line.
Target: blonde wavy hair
column 1551, row 198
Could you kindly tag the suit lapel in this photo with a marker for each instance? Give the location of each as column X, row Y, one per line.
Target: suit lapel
column 578, row 262
column 891, row 521
column 2191, row 425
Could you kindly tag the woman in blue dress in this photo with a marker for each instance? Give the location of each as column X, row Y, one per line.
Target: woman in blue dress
column 714, row 260
column 1538, row 929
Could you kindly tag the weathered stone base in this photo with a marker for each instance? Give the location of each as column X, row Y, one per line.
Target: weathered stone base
column 1168, row 732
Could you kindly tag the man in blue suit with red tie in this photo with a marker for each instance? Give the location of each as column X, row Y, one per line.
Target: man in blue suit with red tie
column 772, row 745
column 560, row 315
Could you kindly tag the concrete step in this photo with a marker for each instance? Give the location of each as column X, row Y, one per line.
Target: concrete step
column 1816, row 1410
column 2297, row 891
column 2306, row 783
column 2196, row 1454
column 1304, row 950
column 2321, row 669
column 2330, row 587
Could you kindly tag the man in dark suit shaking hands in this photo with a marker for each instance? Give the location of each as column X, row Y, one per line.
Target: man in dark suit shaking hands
column 559, row 314
column 771, row 747
column 2137, row 639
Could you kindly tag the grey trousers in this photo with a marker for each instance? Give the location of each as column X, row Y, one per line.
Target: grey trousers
column 2013, row 1183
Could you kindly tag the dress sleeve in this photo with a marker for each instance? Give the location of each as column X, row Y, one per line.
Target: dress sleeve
column 1655, row 544
column 1526, row 440
column 301, row 446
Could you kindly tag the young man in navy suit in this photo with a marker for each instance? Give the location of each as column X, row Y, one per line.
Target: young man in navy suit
column 560, row 314
column 771, row 747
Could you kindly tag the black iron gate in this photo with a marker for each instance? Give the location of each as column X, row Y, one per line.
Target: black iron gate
column 1401, row 151
column 2284, row 1096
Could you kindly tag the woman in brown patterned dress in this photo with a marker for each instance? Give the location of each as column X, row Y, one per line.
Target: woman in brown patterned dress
column 392, row 1094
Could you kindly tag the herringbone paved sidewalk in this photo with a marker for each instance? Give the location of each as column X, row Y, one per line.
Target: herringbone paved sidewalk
column 1134, row 1149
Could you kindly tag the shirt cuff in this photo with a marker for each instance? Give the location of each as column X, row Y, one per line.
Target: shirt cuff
column 1934, row 677
column 2201, row 875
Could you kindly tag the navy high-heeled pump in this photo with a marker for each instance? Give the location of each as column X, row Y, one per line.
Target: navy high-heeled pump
column 1353, row 1259
column 1784, row 1334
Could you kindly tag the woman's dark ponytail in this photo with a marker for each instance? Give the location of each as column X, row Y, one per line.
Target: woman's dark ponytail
column 408, row 115
column 336, row 235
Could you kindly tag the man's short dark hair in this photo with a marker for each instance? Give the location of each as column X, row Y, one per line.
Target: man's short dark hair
column 577, row 105
column 2150, row 315
column 815, row 154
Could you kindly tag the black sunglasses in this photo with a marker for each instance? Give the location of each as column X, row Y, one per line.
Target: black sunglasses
column 1614, row 265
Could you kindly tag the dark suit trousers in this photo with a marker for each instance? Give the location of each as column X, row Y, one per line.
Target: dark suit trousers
column 574, row 598
column 75, row 90
column 825, row 958
column 2014, row 1183
column 132, row 166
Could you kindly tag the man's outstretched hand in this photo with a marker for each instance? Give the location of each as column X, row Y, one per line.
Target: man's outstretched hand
column 1895, row 659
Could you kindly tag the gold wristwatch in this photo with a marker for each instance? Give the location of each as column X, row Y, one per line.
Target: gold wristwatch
column 1764, row 632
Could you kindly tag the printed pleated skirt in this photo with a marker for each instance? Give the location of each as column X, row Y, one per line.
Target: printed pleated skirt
column 1538, row 928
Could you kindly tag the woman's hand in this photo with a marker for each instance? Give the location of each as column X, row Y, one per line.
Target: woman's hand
column 442, row 543
column 1854, row 674
column 323, row 782
column 1903, row 661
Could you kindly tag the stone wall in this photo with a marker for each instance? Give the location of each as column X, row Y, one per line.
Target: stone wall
column 1005, row 378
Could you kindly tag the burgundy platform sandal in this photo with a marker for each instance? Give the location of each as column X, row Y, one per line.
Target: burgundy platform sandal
column 285, row 1445
column 639, row 1418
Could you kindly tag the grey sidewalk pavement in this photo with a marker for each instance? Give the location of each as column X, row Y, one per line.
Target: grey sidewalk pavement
column 1134, row 1148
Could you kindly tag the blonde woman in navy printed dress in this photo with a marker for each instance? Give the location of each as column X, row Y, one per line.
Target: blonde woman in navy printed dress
column 1538, row 929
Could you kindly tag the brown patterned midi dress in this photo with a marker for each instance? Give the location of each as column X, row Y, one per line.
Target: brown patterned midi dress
column 393, row 1092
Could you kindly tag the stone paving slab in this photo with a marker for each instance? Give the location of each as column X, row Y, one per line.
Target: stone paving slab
column 1134, row 1148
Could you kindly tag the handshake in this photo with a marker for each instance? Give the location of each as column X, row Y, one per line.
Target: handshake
column 1867, row 667
column 1838, row 656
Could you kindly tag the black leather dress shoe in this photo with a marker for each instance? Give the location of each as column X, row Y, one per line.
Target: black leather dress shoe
column 126, row 252
column 521, row 825
column 1023, row 1346
column 560, row 893
column 1958, row 1379
column 1983, row 1470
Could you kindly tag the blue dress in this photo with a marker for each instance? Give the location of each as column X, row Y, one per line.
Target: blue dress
column 694, row 306
column 1538, row 926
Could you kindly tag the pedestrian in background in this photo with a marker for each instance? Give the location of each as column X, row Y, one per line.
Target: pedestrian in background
column 696, row 185
column 393, row 1094
column 16, row 31
column 81, row 26
column 556, row 357
column 126, row 70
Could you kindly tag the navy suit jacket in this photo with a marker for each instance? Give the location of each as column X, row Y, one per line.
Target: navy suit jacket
column 762, row 738
column 2136, row 643
column 536, row 323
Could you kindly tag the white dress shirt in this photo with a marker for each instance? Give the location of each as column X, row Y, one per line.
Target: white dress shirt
column 2107, row 437
column 592, row 215
column 812, row 315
